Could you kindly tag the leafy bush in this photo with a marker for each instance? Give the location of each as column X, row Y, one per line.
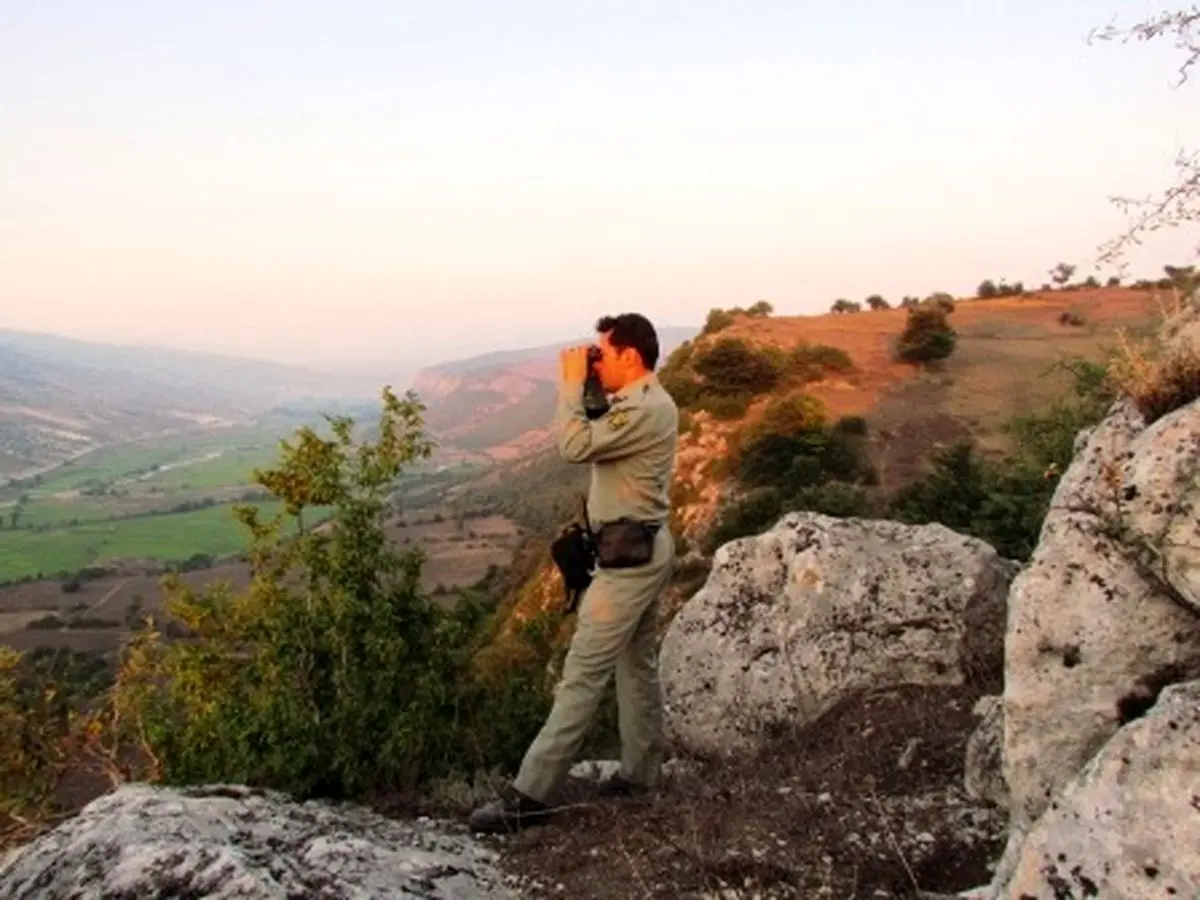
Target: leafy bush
column 725, row 407
column 927, row 336
column 1003, row 506
column 855, row 425
column 761, row 508
column 718, row 320
column 793, row 459
column 331, row 673
column 752, row 514
column 810, row 362
column 42, row 699
column 732, row 366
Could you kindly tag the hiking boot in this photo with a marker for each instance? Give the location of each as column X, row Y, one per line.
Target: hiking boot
column 512, row 811
column 620, row 786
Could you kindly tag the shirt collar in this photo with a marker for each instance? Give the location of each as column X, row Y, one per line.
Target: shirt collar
column 640, row 384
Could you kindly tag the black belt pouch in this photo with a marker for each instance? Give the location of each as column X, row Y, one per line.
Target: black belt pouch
column 625, row 544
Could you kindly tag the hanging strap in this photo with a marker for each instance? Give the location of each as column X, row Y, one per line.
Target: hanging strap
column 584, row 509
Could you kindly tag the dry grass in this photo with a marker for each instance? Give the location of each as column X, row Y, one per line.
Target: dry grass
column 1161, row 373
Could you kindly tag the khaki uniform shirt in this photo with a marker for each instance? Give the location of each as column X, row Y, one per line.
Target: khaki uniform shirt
column 631, row 449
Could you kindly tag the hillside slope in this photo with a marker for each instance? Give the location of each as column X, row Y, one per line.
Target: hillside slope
column 60, row 397
column 1006, row 363
column 499, row 404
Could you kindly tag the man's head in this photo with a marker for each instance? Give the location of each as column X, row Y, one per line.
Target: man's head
column 629, row 349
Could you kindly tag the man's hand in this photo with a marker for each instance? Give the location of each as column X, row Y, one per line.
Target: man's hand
column 573, row 362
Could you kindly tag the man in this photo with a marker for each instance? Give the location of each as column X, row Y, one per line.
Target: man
column 631, row 449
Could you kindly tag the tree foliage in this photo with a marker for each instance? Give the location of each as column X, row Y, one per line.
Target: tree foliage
column 332, row 673
column 927, row 335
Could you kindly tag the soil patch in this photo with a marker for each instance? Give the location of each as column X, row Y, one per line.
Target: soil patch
column 867, row 803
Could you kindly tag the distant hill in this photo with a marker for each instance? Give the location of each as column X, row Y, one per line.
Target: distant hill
column 60, row 397
column 499, row 404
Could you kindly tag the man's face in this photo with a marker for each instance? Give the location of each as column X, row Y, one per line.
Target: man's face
column 614, row 366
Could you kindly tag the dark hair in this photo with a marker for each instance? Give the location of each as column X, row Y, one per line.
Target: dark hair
column 632, row 330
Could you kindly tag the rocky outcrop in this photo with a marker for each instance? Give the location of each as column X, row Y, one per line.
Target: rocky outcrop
column 795, row 620
column 227, row 842
column 1129, row 825
column 1106, row 614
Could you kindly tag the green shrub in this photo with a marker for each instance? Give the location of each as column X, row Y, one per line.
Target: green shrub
column 856, row 425
column 752, row 514
column 683, row 387
column 732, row 366
column 725, row 407
column 810, row 362
column 833, row 498
column 718, row 320
column 927, row 336
column 332, row 673
column 973, row 496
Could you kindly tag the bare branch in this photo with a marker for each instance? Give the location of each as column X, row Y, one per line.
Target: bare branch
column 1180, row 203
column 1182, row 23
column 1175, row 206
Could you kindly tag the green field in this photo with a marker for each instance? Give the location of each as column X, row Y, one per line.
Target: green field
column 209, row 459
column 165, row 538
column 164, row 500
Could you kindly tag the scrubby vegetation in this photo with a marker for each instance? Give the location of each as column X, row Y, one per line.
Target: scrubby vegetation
column 725, row 376
column 720, row 319
column 1004, row 500
column 927, row 336
column 794, row 458
column 332, row 673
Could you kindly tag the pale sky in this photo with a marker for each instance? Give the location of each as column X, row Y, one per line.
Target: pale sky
column 368, row 182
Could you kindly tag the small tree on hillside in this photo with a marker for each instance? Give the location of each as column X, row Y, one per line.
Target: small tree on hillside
column 760, row 310
column 1184, row 279
column 1061, row 274
column 940, row 299
column 927, row 336
column 718, row 320
column 877, row 302
column 842, row 305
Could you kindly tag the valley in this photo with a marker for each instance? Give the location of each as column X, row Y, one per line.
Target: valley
column 62, row 398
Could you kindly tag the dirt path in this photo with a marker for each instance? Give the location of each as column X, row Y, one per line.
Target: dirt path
column 112, row 592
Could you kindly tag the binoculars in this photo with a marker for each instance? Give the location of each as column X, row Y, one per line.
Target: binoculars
column 595, row 401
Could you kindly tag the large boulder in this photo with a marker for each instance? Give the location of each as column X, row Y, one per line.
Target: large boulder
column 1106, row 614
column 793, row 621
column 1128, row 825
column 226, row 842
